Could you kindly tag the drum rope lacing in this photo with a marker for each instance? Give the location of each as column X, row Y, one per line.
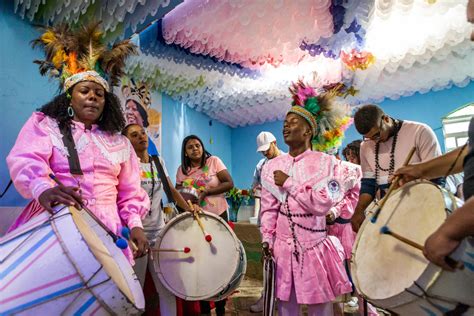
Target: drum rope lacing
column 289, row 215
column 46, row 223
column 429, row 299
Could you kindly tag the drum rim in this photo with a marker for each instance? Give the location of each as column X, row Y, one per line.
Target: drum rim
column 236, row 265
column 429, row 275
column 189, row 190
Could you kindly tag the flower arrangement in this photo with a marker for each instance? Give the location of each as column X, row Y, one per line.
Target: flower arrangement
column 238, row 196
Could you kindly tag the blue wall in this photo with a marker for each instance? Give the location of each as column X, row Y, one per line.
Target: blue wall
column 427, row 108
column 23, row 90
column 22, row 87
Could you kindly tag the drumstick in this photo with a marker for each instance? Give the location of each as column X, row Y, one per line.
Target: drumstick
column 207, row 236
column 120, row 242
column 392, row 187
column 185, row 250
column 126, row 234
column 451, row 262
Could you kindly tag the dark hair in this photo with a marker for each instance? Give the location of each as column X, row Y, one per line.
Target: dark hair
column 126, row 128
column 367, row 117
column 112, row 120
column 352, row 147
column 185, row 161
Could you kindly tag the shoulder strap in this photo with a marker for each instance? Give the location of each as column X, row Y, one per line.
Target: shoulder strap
column 6, row 189
column 73, row 158
column 163, row 178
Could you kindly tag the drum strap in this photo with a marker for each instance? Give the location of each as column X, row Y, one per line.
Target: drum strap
column 164, row 179
column 72, row 158
column 6, row 189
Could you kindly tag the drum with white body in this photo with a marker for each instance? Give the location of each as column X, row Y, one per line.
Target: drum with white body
column 396, row 276
column 211, row 270
column 65, row 264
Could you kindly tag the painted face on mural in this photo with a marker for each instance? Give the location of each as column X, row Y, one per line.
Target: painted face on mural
column 88, row 101
column 131, row 113
column 138, row 138
column 194, row 150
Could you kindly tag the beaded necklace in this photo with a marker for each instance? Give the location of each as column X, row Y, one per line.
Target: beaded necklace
column 391, row 167
column 288, row 214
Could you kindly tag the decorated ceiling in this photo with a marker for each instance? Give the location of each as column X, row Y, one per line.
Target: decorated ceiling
column 235, row 59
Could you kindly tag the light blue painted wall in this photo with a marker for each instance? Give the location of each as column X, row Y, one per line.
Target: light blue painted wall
column 23, row 90
column 426, row 108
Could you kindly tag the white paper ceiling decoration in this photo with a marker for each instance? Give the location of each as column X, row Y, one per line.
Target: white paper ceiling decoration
column 120, row 16
column 238, row 72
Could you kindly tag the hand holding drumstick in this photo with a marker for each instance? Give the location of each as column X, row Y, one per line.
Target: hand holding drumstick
column 207, row 236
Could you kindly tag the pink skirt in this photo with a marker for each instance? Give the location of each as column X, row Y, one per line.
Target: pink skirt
column 319, row 275
column 31, row 210
column 346, row 236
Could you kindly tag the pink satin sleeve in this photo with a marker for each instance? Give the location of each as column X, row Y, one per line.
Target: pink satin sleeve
column 132, row 201
column 28, row 161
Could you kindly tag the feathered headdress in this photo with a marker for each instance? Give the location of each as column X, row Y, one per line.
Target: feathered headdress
column 79, row 55
column 328, row 119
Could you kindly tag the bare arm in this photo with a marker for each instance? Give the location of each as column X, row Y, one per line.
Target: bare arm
column 448, row 236
column 434, row 168
column 359, row 216
column 226, row 183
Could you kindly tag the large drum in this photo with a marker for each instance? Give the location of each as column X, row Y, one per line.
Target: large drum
column 65, row 264
column 211, row 270
column 396, row 276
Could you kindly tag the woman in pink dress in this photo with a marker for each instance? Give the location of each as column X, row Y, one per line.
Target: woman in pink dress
column 89, row 115
column 298, row 191
column 207, row 175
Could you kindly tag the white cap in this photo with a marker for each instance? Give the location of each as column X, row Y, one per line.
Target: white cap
column 264, row 139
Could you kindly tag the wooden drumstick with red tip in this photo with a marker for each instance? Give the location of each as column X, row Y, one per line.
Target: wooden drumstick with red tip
column 207, row 236
column 185, row 250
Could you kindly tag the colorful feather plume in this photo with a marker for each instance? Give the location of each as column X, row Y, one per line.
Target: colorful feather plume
column 73, row 51
column 332, row 117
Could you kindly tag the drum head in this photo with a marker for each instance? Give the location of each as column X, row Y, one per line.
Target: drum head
column 102, row 254
column 208, row 268
column 383, row 266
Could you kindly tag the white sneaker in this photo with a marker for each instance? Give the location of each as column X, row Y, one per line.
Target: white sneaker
column 353, row 302
column 258, row 306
